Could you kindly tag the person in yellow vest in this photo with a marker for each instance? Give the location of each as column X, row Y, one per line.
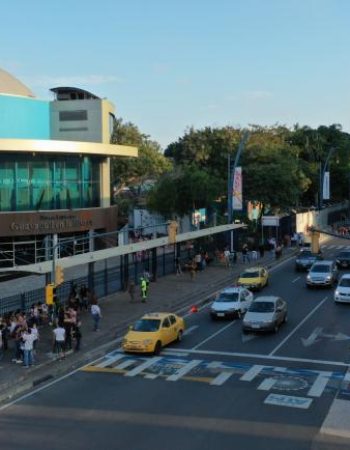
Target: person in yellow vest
column 143, row 287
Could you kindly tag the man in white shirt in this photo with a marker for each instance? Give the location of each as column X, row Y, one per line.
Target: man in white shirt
column 28, row 339
column 59, row 334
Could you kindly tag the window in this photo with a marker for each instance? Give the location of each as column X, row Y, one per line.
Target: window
column 73, row 115
column 172, row 320
column 166, row 323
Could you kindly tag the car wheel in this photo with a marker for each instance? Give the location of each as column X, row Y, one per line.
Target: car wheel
column 157, row 348
column 267, row 282
column 179, row 336
column 275, row 328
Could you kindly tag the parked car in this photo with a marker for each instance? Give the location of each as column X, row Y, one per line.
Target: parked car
column 322, row 274
column 342, row 292
column 265, row 314
column 305, row 260
column 343, row 259
column 152, row 332
column 254, row 278
column 231, row 302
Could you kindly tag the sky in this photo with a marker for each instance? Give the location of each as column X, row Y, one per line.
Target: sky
column 168, row 65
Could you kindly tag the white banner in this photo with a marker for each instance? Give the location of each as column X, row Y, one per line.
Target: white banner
column 326, row 193
column 237, row 200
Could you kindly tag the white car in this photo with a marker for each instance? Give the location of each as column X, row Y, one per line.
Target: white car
column 342, row 292
column 231, row 302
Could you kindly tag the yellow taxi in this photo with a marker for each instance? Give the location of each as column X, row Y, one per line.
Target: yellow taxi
column 152, row 332
column 254, row 278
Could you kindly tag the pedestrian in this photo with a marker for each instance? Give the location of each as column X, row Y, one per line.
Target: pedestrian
column 96, row 313
column 261, row 250
column 83, row 293
column 1, row 342
column 178, row 266
column 245, row 253
column 59, row 336
column 77, row 336
column 227, row 257
column 192, row 269
column 131, row 290
column 143, row 287
column 28, row 339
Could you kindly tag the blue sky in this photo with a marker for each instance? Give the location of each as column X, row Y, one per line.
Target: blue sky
column 171, row 64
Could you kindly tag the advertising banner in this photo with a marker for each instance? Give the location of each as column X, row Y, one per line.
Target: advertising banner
column 326, row 193
column 237, row 199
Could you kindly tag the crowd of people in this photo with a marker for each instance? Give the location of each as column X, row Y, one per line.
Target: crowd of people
column 20, row 331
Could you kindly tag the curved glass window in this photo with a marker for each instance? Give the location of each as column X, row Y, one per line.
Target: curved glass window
column 43, row 182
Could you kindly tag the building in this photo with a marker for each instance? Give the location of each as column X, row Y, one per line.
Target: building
column 54, row 172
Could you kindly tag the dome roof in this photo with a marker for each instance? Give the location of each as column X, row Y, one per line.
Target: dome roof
column 10, row 85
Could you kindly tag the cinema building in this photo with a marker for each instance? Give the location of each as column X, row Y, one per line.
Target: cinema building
column 54, row 172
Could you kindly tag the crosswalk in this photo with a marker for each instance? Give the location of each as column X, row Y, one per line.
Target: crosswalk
column 335, row 247
column 171, row 367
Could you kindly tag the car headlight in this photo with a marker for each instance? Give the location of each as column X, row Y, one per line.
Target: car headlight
column 147, row 342
column 337, row 260
column 328, row 277
column 336, row 293
column 308, row 277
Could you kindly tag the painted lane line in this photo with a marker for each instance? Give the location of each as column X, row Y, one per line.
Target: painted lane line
column 213, row 335
column 110, row 361
column 252, row 373
column 151, row 376
column 189, row 330
column 185, row 369
column 265, row 357
column 319, row 385
column 143, row 366
column 288, row 400
column 297, row 327
column 296, row 279
column 173, row 352
column 221, row 378
column 267, row 384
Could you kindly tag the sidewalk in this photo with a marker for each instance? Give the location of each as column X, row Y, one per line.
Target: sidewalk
column 169, row 293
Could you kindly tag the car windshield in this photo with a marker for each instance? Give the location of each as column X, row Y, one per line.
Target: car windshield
column 344, row 255
column 344, row 282
column 262, row 307
column 305, row 255
column 146, row 325
column 319, row 268
column 227, row 297
column 250, row 274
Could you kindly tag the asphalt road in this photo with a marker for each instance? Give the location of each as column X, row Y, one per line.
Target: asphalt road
column 217, row 389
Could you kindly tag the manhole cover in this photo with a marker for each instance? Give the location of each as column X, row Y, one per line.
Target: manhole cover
column 285, row 383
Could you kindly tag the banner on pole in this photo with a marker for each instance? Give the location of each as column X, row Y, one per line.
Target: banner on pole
column 326, row 193
column 237, row 199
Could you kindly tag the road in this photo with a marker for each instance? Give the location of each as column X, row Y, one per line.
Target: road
column 216, row 389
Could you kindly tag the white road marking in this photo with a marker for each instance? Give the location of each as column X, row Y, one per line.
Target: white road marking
column 213, row 335
column 267, row 384
column 151, row 376
column 221, row 378
column 312, row 338
column 248, row 337
column 143, row 366
column 252, row 373
column 173, row 352
column 288, row 400
column 189, row 330
column 265, row 357
column 124, row 364
column 297, row 327
column 319, row 384
column 185, row 369
column 109, row 361
column 296, row 279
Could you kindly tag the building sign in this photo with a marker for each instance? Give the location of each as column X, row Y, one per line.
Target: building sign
column 270, row 221
column 25, row 224
column 237, row 200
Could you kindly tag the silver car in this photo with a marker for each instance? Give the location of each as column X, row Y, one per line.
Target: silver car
column 342, row 292
column 322, row 274
column 231, row 302
column 265, row 314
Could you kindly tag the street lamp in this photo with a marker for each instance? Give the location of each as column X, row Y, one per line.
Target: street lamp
column 323, row 171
